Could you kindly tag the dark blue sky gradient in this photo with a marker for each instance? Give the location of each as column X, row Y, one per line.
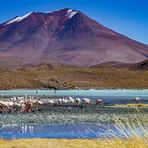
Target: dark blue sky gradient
column 129, row 17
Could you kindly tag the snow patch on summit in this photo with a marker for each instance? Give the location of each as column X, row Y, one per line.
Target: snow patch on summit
column 18, row 19
column 71, row 13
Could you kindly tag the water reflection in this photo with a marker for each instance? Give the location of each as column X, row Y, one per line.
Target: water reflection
column 69, row 131
column 27, row 129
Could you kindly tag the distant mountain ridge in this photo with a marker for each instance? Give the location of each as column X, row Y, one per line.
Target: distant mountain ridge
column 65, row 36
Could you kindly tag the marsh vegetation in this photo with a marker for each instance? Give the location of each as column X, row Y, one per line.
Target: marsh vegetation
column 59, row 115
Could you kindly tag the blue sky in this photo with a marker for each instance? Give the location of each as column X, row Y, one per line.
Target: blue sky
column 128, row 17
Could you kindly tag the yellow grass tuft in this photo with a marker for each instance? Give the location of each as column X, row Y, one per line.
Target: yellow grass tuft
column 131, row 105
column 86, row 143
column 137, row 105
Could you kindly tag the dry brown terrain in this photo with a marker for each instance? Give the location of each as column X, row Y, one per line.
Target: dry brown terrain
column 63, row 77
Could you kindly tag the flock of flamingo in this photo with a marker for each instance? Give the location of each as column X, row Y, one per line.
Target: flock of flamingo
column 26, row 105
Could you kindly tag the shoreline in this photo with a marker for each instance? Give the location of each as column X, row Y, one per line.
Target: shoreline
column 81, row 89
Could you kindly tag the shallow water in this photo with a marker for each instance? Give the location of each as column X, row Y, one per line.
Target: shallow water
column 91, row 92
column 68, row 131
column 48, row 131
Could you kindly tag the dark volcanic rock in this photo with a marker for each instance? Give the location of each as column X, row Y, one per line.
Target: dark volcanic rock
column 141, row 66
column 112, row 65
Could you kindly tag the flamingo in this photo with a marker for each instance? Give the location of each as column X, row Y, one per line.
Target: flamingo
column 60, row 101
column 86, row 101
column 98, row 102
column 136, row 99
column 16, row 106
column 27, row 105
column 71, row 100
column 51, row 102
column 39, row 102
column 78, row 101
column 65, row 101
column 31, row 103
column 24, row 104
column 18, row 103
column 6, row 105
column 22, row 101
column 13, row 99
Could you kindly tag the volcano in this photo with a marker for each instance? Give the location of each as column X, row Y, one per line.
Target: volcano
column 65, row 36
